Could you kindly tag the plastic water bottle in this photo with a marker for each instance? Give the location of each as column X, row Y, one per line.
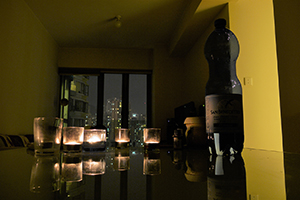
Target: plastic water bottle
column 223, row 93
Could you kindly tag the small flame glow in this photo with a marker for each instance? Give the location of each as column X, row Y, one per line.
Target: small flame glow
column 94, row 139
column 71, row 143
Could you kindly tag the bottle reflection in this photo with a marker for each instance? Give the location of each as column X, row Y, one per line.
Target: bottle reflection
column 45, row 174
column 178, row 159
column 226, row 178
column 196, row 165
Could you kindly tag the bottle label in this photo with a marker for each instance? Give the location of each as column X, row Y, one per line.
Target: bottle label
column 224, row 113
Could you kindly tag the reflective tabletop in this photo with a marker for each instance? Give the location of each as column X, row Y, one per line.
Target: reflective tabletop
column 132, row 173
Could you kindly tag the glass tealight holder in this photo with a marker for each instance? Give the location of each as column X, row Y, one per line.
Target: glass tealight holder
column 94, row 164
column 72, row 139
column 122, row 137
column 151, row 138
column 72, row 167
column 122, row 159
column 94, row 140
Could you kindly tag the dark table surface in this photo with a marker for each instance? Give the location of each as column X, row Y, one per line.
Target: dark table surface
column 176, row 174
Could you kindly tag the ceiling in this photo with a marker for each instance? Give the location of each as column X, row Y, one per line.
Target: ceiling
column 144, row 23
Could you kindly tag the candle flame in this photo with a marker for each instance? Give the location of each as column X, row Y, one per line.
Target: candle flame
column 121, row 141
column 71, row 143
column 152, row 141
column 94, row 139
column 57, row 141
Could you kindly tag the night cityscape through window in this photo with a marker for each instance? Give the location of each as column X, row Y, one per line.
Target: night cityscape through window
column 82, row 108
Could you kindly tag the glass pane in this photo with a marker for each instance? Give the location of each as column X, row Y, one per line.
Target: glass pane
column 82, row 96
column 91, row 91
column 112, row 104
column 64, row 96
column 137, row 107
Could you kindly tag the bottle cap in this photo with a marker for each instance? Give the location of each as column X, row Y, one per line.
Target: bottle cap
column 220, row 23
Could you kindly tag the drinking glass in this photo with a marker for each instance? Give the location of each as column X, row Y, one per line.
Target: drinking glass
column 47, row 133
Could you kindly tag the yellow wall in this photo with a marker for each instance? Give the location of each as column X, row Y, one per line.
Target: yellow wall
column 168, row 87
column 253, row 23
column 28, row 79
column 288, row 40
column 134, row 59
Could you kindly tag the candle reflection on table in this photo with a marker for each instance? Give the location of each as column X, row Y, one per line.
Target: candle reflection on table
column 122, row 159
column 72, row 168
column 94, row 164
column 122, row 163
column 151, row 163
column 151, row 166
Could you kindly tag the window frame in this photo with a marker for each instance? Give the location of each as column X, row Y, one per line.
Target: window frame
column 125, row 89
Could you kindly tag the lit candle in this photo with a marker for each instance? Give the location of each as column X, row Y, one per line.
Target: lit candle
column 152, row 135
column 122, row 137
column 72, row 139
column 94, row 140
column 152, row 138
